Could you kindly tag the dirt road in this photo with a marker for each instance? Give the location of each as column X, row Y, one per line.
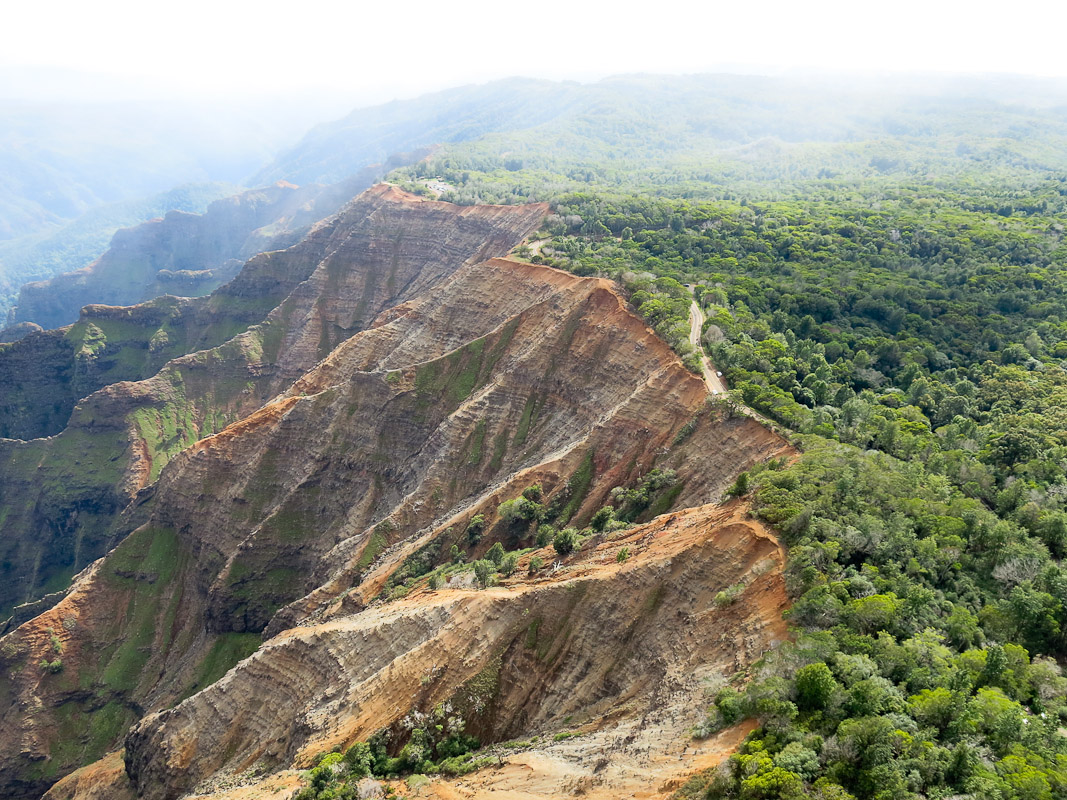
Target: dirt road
column 696, row 324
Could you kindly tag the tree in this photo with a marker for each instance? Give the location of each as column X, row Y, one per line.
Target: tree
column 797, row 758
column 483, row 571
column 359, row 760
column 874, row 613
column 935, row 707
column 815, row 686
column 521, row 509
column 496, row 554
column 508, row 563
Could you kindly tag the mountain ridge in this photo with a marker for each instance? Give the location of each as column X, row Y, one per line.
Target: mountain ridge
column 395, row 437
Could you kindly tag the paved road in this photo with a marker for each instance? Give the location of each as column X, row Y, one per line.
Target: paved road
column 696, row 323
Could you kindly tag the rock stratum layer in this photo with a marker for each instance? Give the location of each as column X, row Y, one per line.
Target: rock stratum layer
column 403, row 378
column 131, row 387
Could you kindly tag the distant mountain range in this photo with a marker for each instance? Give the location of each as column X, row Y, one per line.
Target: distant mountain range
column 709, row 136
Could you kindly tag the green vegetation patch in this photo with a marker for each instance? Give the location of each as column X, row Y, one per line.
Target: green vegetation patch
column 500, row 449
column 84, row 735
column 226, row 651
column 578, row 487
column 665, row 500
column 167, row 430
column 453, row 377
column 929, row 632
column 288, row 525
column 144, row 564
column 476, row 442
column 528, row 418
column 377, row 542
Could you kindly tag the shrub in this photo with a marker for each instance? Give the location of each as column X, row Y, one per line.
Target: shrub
column 632, row 501
column 475, row 528
column 728, row 703
column 521, row 509
column 729, row 595
column 740, row 487
column 622, row 555
column 535, row 564
column 496, row 554
column 545, row 534
column 602, row 518
column 565, row 541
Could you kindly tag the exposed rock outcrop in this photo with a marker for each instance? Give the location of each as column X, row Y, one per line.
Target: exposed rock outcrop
column 62, row 494
column 517, row 660
column 407, row 380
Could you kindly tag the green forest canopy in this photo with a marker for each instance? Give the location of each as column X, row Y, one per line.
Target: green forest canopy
column 908, row 322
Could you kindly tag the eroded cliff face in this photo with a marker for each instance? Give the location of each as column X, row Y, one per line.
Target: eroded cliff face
column 244, row 344
column 409, row 381
column 565, row 651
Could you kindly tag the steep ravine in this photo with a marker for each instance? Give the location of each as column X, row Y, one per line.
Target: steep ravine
column 167, row 373
column 564, row 651
column 407, row 383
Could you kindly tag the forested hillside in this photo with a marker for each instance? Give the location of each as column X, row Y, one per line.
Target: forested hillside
column 898, row 299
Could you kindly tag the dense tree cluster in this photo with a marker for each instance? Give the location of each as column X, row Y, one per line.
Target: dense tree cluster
column 905, row 679
column 929, row 597
column 899, row 303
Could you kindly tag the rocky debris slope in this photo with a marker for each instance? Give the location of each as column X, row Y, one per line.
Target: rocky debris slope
column 408, row 383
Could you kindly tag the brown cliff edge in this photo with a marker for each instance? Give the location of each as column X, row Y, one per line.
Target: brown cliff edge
column 392, row 424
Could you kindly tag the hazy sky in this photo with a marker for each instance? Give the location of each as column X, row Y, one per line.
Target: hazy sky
column 381, row 49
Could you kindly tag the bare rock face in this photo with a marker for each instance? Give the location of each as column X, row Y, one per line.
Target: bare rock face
column 514, row 661
column 267, row 489
column 63, row 494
